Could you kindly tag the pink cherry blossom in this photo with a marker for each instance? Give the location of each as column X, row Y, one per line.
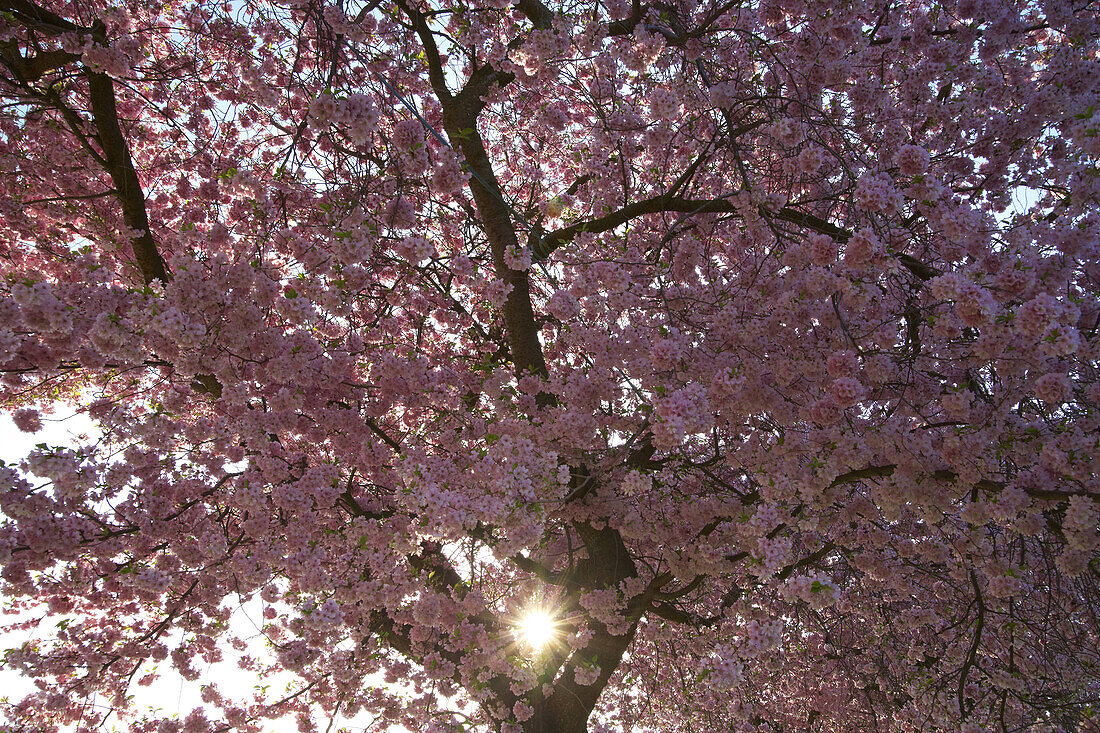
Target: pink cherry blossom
column 755, row 346
column 27, row 420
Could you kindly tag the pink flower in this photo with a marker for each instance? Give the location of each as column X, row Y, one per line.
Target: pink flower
column 681, row 413
column 811, row 159
column 399, row 213
column 1052, row 388
column 1060, row 340
column 1005, row 586
column 726, row 672
column 497, row 291
column 863, row 247
column 665, row 353
column 1013, row 280
column 912, row 160
column 847, row 391
column 956, row 405
column 825, row 411
column 517, row 257
column 876, row 193
column 664, row 104
column 842, row 363
column 415, row 249
column 27, row 420
column 322, row 109
column 822, row 250
column 1033, row 317
column 358, row 117
column 407, row 134
column 449, row 177
column 585, row 675
column 522, row 711
column 329, row 613
column 555, row 118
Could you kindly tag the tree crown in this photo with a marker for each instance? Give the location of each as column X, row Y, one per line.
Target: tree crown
column 707, row 329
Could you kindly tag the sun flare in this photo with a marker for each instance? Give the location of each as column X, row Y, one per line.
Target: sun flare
column 536, row 628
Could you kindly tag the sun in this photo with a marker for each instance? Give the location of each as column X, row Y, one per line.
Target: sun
column 536, row 628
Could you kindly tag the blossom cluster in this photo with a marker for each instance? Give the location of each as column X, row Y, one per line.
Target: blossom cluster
column 355, row 115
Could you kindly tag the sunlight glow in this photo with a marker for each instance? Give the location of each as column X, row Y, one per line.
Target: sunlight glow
column 536, row 628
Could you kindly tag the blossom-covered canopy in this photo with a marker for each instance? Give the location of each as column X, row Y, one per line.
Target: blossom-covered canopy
column 754, row 342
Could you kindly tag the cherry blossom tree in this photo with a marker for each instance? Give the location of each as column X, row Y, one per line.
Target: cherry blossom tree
column 751, row 342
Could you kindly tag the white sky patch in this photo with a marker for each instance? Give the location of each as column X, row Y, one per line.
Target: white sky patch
column 1024, row 199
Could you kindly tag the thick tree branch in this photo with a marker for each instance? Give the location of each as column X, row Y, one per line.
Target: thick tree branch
column 29, row 70
column 567, row 708
column 431, row 52
column 120, row 166
column 101, row 93
column 675, row 204
column 626, row 26
column 399, row 637
column 971, row 655
column 540, row 16
column 460, row 114
column 950, row 477
column 540, row 571
column 551, row 241
column 40, row 19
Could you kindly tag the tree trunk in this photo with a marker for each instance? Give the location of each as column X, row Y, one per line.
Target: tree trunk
column 558, row 718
